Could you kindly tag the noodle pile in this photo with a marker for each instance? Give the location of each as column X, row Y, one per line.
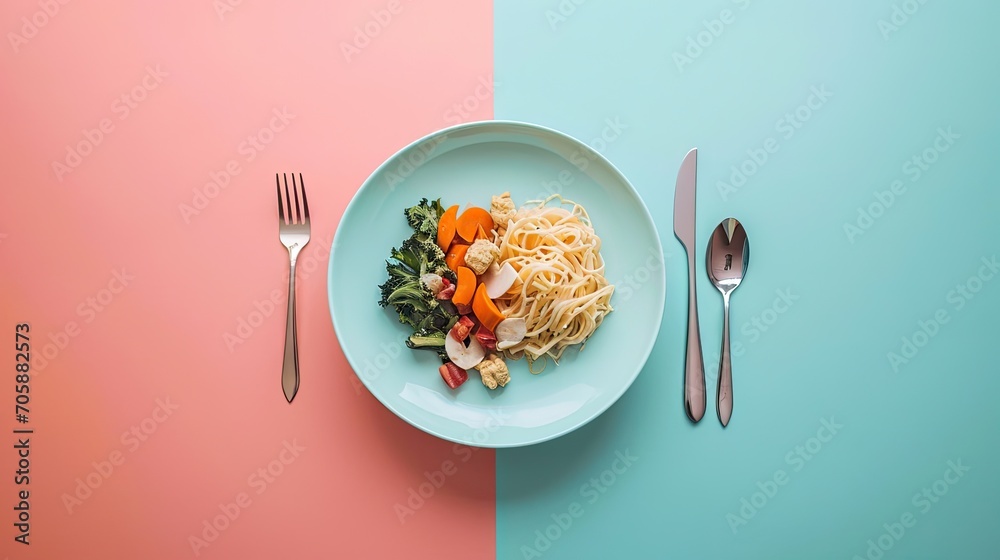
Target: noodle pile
column 563, row 295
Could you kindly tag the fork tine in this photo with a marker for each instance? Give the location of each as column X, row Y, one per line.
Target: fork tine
column 298, row 211
column 289, row 219
column 281, row 210
column 305, row 201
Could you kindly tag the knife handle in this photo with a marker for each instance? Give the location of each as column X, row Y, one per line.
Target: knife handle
column 694, row 363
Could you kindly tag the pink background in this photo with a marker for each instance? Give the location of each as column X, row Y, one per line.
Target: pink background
column 195, row 277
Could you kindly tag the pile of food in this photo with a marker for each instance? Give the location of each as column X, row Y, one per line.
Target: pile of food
column 479, row 286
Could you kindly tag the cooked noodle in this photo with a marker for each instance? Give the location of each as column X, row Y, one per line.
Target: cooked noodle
column 563, row 295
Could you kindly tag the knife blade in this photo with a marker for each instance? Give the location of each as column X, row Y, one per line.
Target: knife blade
column 684, row 227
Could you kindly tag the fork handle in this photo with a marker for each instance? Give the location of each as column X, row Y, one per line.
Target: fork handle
column 290, row 364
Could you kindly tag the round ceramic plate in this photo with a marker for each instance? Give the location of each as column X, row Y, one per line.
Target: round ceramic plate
column 469, row 163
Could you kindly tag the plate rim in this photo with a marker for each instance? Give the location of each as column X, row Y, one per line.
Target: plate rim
column 485, row 124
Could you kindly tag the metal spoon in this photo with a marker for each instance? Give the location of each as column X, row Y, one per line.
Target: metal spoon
column 728, row 257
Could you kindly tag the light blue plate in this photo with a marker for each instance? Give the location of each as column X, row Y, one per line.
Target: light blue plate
column 467, row 164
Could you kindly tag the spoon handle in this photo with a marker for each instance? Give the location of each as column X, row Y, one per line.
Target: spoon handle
column 694, row 363
column 725, row 390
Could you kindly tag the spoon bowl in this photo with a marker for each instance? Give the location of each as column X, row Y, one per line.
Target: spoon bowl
column 727, row 260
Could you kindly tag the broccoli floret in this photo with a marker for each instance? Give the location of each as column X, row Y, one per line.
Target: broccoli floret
column 421, row 257
column 413, row 294
column 423, row 218
column 404, row 290
column 432, row 257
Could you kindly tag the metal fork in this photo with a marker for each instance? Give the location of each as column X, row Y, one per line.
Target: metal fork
column 293, row 230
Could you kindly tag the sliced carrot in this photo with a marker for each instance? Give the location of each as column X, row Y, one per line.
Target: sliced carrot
column 446, row 228
column 481, row 233
column 484, row 308
column 455, row 256
column 465, row 288
column 470, row 220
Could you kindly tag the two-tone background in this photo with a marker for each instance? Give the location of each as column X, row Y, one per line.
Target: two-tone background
column 855, row 141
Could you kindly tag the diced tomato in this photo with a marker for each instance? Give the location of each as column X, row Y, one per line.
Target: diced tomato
column 462, row 329
column 453, row 375
column 446, row 292
column 486, row 338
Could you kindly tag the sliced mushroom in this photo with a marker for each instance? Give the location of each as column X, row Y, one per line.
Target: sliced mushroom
column 465, row 357
column 498, row 279
column 510, row 331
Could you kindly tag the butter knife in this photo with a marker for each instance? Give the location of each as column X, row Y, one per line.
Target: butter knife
column 684, row 227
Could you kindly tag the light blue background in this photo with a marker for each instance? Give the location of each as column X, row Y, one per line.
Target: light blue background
column 826, row 354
